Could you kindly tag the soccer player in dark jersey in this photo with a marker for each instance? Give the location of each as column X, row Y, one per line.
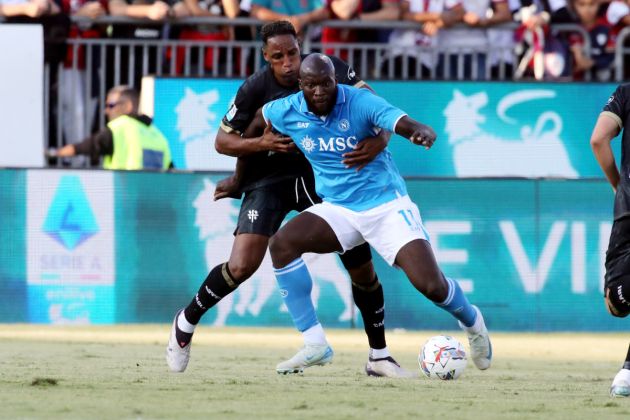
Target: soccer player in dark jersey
column 612, row 120
column 276, row 179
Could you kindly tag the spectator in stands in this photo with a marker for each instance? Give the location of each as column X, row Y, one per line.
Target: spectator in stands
column 618, row 14
column 433, row 16
column 364, row 10
column 28, row 8
column 155, row 10
column 209, row 8
column 78, row 114
column 469, row 46
column 130, row 141
column 602, row 53
column 540, row 52
column 299, row 13
column 485, row 15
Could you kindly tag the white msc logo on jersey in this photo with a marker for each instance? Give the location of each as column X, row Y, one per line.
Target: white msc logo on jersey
column 231, row 112
column 351, row 73
column 344, row 125
column 308, row 144
column 302, row 124
column 252, row 215
column 337, row 144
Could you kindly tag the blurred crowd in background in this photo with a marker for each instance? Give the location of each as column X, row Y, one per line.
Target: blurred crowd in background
column 474, row 24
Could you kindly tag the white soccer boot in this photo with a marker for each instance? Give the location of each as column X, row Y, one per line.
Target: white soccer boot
column 177, row 357
column 387, row 367
column 307, row 356
column 480, row 346
column 621, row 384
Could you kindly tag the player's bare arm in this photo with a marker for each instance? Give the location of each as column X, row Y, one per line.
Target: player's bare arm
column 416, row 132
column 606, row 129
column 232, row 144
column 268, row 141
column 367, row 150
column 230, row 187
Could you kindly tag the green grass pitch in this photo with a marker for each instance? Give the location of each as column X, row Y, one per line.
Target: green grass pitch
column 119, row 372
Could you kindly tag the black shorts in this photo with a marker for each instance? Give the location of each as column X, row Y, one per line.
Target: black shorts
column 618, row 253
column 263, row 210
column 617, row 279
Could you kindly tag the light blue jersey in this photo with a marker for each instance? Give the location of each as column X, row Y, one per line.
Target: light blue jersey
column 324, row 140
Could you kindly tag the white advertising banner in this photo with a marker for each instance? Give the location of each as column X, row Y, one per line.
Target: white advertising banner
column 70, row 246
column 22, row 96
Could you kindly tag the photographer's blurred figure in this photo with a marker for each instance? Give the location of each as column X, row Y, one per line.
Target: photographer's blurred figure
column 129, row 141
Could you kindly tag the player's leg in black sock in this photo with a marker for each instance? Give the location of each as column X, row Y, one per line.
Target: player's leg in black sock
column 371, row 303
column 367, row 293
column 218, row 284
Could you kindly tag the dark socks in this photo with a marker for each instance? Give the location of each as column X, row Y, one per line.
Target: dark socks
column 216, row 286
column 371, row 303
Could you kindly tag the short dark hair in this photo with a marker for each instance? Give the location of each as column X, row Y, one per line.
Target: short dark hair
column 127, row 93
column 279, row 27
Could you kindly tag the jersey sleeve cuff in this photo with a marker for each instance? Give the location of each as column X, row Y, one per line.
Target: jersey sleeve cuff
column 223, row 126
column 614, row 117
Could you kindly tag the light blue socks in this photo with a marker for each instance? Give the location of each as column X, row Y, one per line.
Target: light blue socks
column 295, row 285
column 457, row 304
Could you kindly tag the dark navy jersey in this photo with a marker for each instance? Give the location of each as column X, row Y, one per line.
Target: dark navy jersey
column 618, row 108
column 266, row 168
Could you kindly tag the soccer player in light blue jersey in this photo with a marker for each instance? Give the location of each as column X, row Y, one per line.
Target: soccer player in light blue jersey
column 326, row 120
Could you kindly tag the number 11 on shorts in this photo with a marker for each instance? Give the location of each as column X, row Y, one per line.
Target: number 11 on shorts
column 410, row 219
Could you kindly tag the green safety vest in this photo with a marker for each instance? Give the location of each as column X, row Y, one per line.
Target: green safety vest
column 137, row 146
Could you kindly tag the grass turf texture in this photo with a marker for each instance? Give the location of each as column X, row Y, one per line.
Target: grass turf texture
column 120, row 373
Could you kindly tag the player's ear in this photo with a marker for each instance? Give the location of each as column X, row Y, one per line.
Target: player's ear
column 300, row 83
column 264, row 51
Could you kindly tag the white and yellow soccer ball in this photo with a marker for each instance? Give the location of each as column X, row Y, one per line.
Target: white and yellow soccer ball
column 442, row 357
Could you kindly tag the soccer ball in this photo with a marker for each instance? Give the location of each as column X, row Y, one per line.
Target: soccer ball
column 442, row 357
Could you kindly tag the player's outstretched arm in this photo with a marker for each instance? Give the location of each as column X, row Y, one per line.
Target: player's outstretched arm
column 367, row 150
column 418, row 133
column 605, row 130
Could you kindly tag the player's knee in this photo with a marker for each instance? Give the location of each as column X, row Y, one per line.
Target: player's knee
column 432, row 286
column 282, row 253
column 618, row 297
column 242, row 268
column 362, row 275
column 436, row 291
column 357, row 258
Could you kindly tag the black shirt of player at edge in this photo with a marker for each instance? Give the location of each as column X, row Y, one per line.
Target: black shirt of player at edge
column 618, row 107
column 267, row 168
